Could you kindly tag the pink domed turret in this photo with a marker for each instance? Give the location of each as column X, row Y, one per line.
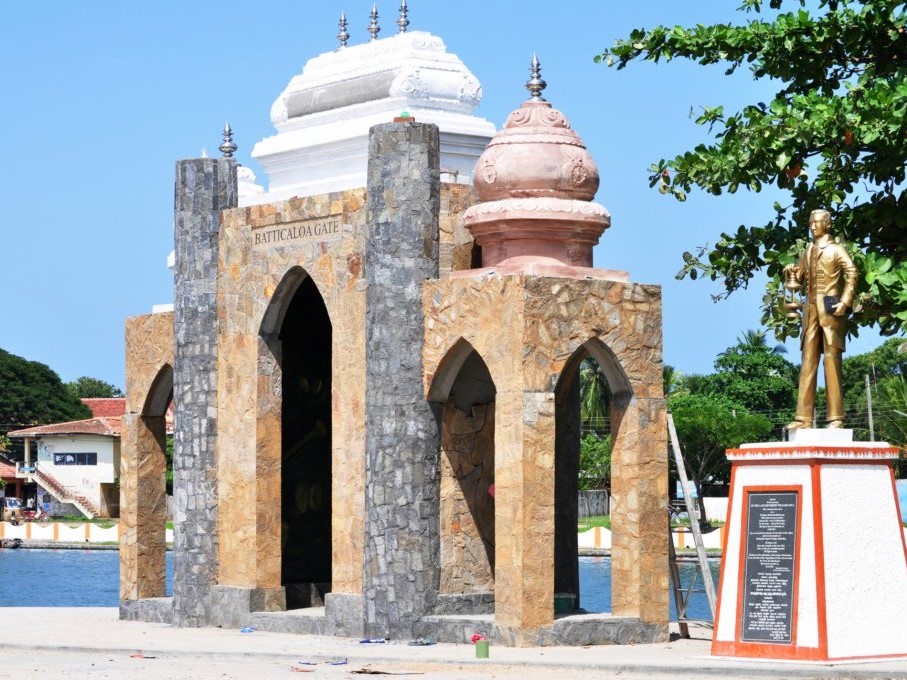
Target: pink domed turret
column 536, row 181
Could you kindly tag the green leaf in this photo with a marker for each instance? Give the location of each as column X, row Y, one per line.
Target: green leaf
column 835, row 117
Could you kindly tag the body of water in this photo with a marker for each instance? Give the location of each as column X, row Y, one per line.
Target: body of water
column 595, row 587
column 90, row 578
column 63, row 578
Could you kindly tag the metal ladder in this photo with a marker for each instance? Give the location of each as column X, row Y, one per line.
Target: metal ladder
column 682, row 595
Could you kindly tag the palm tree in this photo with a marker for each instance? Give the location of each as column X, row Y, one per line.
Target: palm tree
column 595, row 397
column 673, row 380
column 756, row 341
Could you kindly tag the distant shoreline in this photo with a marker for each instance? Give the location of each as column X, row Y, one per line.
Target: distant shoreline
column 61, row 545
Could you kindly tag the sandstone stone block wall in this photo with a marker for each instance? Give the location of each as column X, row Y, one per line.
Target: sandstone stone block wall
column 401, row 560
column 457, row 249
column 149, row 388
column 204, row 188
column 257, row 280
column 265, row 251
column 528, row 330
column 467, row 503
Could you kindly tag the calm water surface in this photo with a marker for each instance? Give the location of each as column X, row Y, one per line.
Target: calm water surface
column 90, row 578
column 595, row 587
column 63, row 578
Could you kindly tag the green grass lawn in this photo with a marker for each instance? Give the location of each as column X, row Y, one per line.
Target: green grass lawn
column 587, row 523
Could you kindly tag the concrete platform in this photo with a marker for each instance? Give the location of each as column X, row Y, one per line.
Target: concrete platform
column 80, row 642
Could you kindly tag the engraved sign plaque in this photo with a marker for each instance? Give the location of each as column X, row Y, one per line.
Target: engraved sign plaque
column 768, row 581
column 307, row 231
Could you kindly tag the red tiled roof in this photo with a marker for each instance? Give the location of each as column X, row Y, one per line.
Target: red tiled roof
column 106, row 408
column 108, row 427
column 7, row 471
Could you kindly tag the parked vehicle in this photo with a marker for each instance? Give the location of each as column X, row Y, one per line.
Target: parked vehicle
column 35, row 515
column 12, row 509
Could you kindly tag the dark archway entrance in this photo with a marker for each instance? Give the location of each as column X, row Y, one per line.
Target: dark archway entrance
column 466, row 393
column 305, row 504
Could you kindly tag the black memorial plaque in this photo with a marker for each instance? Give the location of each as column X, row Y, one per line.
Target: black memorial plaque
column 768, row 578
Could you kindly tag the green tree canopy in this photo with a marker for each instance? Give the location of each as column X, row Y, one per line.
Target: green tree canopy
column 882, row 362
column 595, row 397
column 755, row 376
column 707, row 425
column 32, row 394
column 93, row 388
column 834, row 135
column 891, row 403
column 594, row 462
column 672, row 379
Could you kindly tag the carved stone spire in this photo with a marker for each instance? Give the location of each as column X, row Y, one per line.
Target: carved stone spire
column 373, row 27
column 343, row 36
column 535, row 84
column 536, row 181
column 228, row 148
column 403, row 22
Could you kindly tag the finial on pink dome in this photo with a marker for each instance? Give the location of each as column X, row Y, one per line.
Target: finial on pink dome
column 535, row 85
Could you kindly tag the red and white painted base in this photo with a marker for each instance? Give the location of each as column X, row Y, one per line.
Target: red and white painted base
column 825, row 580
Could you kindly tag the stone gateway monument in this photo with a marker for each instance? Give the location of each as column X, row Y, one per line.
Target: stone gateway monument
column 374, row 371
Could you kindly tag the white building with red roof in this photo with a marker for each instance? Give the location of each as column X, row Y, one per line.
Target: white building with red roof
column 75, row 465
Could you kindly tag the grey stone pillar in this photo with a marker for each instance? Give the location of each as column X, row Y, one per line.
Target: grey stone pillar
column 401, row 574
column 204, row 187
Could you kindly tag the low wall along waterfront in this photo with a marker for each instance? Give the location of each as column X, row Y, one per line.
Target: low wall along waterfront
column 65, row 532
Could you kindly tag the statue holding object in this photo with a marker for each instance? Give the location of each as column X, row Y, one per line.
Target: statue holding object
column 830, row 278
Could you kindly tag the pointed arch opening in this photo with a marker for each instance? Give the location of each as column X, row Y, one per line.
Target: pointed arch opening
column 466, row 393
column 294, row 441
column 590, row 399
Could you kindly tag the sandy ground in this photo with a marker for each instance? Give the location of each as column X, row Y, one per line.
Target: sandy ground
column 60, row 664
column 59, row 642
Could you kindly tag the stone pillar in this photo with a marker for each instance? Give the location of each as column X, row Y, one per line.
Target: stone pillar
column 204, row 187
column 401, row 574
column 144, row 507
column 639, row 487
column 524, row 503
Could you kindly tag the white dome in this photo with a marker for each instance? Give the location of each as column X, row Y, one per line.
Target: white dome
column 324, row 114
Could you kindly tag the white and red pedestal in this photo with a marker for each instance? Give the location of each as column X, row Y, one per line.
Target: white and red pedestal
column 814, row 566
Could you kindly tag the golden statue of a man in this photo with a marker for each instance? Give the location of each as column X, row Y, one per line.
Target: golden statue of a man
column 830, row 278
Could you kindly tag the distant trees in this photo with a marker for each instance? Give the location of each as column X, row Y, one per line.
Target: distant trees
column 594, row 462
column 886, row 367
column 754, row 376
column 32, row 394
column 93, row 388
column 595, row 397
column 709, row 424
column 882, row 362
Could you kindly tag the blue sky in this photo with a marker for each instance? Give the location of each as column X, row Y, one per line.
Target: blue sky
column 101, row 98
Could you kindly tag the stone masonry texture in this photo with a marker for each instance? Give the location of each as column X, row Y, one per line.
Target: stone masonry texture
column 530, row 331
column 204, row 187
column 401, row 567
column 143, row 466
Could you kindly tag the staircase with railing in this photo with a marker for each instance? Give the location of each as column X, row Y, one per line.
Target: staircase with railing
column 65, row 494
